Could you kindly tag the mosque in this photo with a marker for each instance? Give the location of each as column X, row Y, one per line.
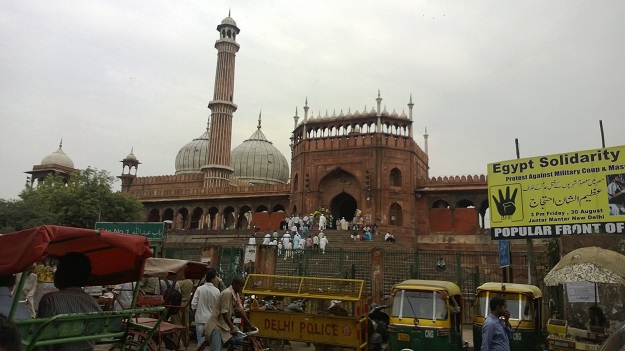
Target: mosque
column 383, row 174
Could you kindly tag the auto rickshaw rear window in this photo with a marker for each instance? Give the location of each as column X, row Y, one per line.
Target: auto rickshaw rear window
column 419, row 304
column 518, row 304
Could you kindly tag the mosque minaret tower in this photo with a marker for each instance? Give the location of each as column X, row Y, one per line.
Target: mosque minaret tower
column 217, row 170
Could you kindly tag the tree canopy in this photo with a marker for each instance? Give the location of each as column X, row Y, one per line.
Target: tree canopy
column 85, row 200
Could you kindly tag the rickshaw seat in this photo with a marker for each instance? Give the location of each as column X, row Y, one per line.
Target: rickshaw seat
column 66, row 328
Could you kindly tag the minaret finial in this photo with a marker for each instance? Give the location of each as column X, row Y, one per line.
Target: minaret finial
column 307, row 101
column 378, row 92
column 228, row 12
column 296, row 111
column 259, row 117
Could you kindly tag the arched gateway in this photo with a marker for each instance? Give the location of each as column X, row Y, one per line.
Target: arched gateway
column 343, row 205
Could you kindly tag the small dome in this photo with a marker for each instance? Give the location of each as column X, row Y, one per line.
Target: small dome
column 349, row 113
column 403, row 115
column 385, row 112
column 257, row 161
column 333, row 114
column 393, row 114
column 228, row 20
column 131, row 156
column 356, row 114
column 192, row 156
column 372, row 112
column 58, row 158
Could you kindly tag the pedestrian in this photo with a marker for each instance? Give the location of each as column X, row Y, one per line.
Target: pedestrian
column 322, row 244
column 316, row 242
column 203, row 302
column 389, row 238
column 10, row 339
column 308, row 242
column 496, row 333
column 267, row 239
column 28, row 293
column 279, row 248
column 252, row 240
column 219, row 328
column 182, row 317
column 122, row 296
column 286, row 244
column 275, row 235
column 7, row 282
column 322, row 222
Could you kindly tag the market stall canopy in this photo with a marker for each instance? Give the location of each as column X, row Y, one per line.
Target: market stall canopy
column 172, row 268
column 115, row 258
column 588, row 264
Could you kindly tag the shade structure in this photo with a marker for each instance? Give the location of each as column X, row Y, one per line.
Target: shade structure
column 173, row 268
column 588, row 264
column 115, row 257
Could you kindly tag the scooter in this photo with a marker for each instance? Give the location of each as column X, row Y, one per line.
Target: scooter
column 378, row 327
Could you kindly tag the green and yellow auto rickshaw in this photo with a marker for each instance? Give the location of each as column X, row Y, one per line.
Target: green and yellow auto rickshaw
column 526, row 314
column 426, row 315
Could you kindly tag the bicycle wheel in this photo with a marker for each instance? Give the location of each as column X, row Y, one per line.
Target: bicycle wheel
column 274, row 344
column 134, row 341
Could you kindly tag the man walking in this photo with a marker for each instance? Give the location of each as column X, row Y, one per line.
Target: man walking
column 203, row 301
column 496, row 333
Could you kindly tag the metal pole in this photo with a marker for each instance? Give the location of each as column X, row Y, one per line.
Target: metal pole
column 531, row 261
column 602, row 135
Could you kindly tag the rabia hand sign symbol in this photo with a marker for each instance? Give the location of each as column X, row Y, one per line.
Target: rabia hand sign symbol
column 505, row 205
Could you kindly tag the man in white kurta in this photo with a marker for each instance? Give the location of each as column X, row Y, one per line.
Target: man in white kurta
column 322, row 222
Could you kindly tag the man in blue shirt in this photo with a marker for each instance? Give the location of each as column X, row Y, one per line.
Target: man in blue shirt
column 496, row 333
column 6, row 299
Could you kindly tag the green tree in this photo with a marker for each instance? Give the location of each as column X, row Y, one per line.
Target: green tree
column 85, row 200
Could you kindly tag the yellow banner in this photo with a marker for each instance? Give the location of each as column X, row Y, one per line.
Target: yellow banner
column 579, row 192
column 323, row 329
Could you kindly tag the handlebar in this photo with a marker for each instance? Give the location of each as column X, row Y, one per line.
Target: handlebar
column 249, row 333
column 252, row 332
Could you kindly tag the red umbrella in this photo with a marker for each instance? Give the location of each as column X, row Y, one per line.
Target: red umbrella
column 115, row 258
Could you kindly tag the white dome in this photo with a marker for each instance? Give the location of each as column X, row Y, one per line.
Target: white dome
column 58, row 158
column 229, row 20
column 192, row 156
column 257, row 161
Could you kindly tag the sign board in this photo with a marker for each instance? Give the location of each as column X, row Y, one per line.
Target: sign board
column 326, row 329
column 504, row 253
column 555, row 195
column 151, row 230
column 250, row 254
column 582, row 292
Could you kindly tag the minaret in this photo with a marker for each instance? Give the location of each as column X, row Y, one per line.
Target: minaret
column 378, row 124
column 217, row 170
column 410, row 106
column 425, row 138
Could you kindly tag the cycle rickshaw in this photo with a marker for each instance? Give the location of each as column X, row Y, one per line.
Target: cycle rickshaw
column 168, row 334
column 115, row 258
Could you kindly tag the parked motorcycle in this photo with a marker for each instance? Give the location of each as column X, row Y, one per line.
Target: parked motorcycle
column 378, row 327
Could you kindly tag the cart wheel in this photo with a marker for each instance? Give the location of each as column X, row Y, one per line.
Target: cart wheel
column 135, row 339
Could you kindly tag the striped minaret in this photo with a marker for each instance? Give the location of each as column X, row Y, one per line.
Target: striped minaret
column 217, row 169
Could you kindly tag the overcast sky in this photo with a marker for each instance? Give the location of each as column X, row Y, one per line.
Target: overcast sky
column 107, row 76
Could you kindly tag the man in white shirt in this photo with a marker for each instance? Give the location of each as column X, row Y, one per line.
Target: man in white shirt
column 203, row 302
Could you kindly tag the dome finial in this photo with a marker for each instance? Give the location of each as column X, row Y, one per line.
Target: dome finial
column 259, row 117
column 61, row 143
column 229, row 12
column 132, row 150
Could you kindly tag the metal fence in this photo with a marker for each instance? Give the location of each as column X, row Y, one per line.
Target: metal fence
column 467, row 269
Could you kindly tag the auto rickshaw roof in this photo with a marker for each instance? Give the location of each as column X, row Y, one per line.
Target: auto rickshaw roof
column 174, row 269
column 511, row 287
column 451, row 288
column 115, row 257
column 304, row 287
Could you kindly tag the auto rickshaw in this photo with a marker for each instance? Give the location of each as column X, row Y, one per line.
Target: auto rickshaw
column 426, row 315
column 115, row 258
column 526, row 314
